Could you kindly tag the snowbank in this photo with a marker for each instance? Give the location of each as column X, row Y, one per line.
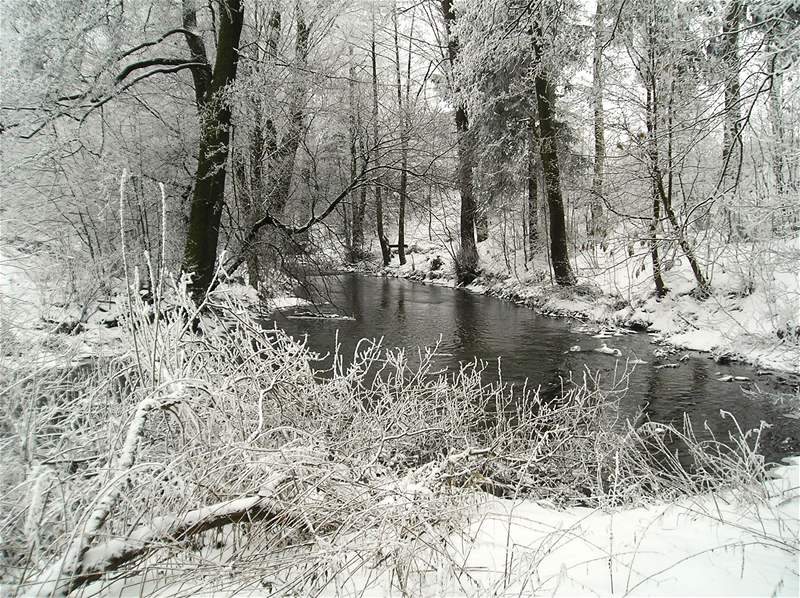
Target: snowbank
column 706, row 546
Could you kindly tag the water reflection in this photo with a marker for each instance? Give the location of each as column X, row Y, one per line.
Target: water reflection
column 533, row 348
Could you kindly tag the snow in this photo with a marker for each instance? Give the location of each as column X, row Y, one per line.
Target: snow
column 34, row 302
column 704, row 546
column 286, row 302
column 742, row 543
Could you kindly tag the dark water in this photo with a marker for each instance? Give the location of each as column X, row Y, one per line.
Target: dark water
column 536, row 348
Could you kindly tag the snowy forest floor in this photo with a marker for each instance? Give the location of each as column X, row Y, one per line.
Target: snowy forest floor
column 752, row 315
column 402, row 532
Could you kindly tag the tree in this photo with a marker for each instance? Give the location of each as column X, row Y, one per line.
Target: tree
column 403, row 116
column 545, row 103
column 468, row 252
column 208, row 198
column 382, row 240
column 596, row 226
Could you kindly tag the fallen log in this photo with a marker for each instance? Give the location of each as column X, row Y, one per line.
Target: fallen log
column 109, row 556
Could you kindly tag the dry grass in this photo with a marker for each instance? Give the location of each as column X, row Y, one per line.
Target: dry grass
column 365, row 470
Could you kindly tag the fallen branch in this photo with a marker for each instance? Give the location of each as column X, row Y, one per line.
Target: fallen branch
column 111, row 555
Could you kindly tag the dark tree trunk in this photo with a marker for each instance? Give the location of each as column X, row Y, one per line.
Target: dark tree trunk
column 197, row 52
column 403, row 190
column 384, row 242
column 533, row 188
column 731, row 154
column 468, row 254
column 652, row 151
column 257, row 145
column 596, row 227
column 246, row 197
column 545, row 102
column 775, row 109
column 209, row 190
column 482, row 224
column 731, row 140
column 358, row 152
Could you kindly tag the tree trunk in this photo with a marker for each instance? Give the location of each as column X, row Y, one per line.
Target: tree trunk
column 533, row 188
column 468, row 254
column 360, row 205
column 403, row 190
column 209, row 190
column 350, row 219
column 245, row 196
column 382, row 240
column 660, row 194
column 482, row 224
column 358, row 151
column 775, row 74
column 596, row 227
column 197, row 52
column 281, row 162
column 545, row 102
column 652, row 152
column 731, row 152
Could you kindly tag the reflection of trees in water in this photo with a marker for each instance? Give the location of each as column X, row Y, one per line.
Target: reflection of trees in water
column 532, row 347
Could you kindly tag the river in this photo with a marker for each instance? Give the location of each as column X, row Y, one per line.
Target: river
column 536, row 348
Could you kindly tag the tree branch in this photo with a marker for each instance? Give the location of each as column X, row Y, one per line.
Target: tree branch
column 269, row 219
column 197, row 50
column 112, row 554
column 142, row 64
column 142, row 46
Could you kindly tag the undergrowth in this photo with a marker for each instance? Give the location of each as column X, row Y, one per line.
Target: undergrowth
column 218, row 456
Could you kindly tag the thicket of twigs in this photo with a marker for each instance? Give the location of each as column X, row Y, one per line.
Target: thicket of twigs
column 220, row 457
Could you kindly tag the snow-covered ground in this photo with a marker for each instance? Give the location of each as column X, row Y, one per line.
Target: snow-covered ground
column 703, row 546
column 38, row 307
column 742, row 543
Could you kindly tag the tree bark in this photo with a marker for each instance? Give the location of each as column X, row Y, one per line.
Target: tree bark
column 281, row 161
column 775, row 74
column 357, row 152
column 468, row 253
column 350, row 218
column 382, row 240
column 533, row 188
column 559, row 253
column 197, row 52
column 731, row 154
column 596, row 227
column 652, row 153
column 403, row 190
column 482, row 224
column 209, row 190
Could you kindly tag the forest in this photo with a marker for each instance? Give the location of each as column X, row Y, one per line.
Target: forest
column 399, row 297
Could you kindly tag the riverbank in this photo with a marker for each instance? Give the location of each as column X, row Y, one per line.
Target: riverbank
column 356, row 514
column 750, row 316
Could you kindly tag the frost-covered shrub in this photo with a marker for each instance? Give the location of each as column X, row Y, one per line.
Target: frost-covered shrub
column 225, row 446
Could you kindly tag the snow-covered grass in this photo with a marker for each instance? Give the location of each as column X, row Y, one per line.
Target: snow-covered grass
column 382, row 479
column 753, row 313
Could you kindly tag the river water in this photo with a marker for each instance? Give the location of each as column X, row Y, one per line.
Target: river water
column 536, row 348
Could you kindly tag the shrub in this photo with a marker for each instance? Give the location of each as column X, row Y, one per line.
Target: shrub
column 224, row 448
